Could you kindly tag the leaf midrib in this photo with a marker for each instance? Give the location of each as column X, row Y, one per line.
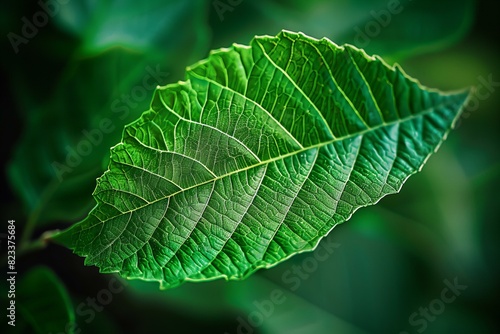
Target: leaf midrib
column 281, row 157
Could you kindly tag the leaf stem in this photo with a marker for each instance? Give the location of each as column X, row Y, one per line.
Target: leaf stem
column 29, row 247
column 35, row 214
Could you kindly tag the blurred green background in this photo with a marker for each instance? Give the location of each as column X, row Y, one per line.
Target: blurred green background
column 87, row 68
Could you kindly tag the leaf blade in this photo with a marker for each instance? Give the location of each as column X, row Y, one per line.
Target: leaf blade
column 271, row 170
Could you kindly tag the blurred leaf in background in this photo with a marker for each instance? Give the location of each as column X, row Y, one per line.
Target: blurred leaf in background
column 385, row 27
column 392, row 259
column 41, row 303
column 106, row 81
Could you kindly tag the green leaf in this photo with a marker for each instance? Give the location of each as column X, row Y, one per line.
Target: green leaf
column 256, row 157
column 106, row 79
column 57, row 188
column 44, row 302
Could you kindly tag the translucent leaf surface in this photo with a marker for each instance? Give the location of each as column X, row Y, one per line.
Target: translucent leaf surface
column 256, row 157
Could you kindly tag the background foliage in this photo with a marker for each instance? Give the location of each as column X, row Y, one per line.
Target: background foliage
column 89, row 63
